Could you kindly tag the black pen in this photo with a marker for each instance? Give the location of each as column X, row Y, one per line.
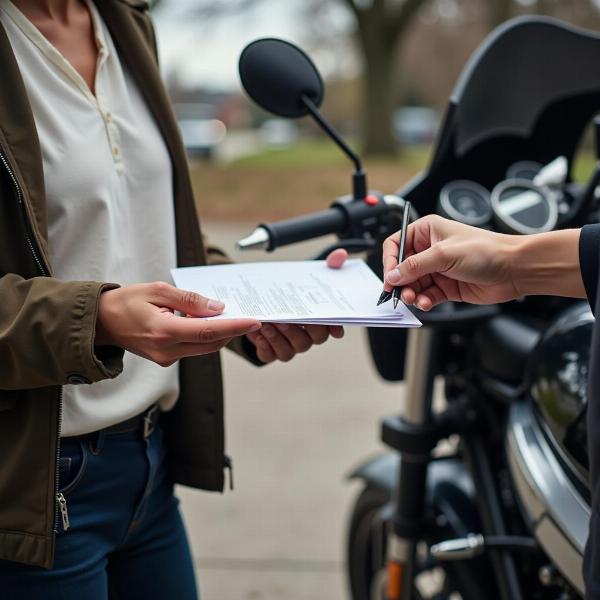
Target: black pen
column 395, row 294
column 405, row 220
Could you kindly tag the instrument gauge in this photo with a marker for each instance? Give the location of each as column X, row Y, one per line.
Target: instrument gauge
column 524, row 169
column 465, row 201
column 522, row 207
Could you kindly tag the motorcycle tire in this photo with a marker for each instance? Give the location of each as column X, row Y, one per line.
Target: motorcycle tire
column 366, row 551
column 361, row 562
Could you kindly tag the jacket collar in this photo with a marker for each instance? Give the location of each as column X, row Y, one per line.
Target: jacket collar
column 19, row 141
column 140, row 4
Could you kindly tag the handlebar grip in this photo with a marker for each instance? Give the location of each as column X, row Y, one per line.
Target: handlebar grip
column 346, row 217
column 298, row 229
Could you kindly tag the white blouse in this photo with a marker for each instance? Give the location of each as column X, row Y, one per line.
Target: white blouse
column 109, row 193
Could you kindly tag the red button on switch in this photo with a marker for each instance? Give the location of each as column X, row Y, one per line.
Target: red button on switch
column 371, row 199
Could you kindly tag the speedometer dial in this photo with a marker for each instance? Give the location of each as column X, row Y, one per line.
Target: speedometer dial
column 521, row 207
column 524, row 169
column 465, row 201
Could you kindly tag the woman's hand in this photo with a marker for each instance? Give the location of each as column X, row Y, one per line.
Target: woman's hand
column 445, row 260
column 282, row 341
column 141, row 319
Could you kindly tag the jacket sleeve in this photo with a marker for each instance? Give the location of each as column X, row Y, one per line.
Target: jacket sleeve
column 589, row 260
column 47, row 330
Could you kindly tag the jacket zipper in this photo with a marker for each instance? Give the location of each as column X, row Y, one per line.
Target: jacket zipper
column 61, row 503
column 28, row 234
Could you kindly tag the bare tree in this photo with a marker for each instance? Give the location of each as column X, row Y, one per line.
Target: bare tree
column 499, row 11
column 381, row 26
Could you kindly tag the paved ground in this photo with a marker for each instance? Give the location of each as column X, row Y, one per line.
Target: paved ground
column 294, row 431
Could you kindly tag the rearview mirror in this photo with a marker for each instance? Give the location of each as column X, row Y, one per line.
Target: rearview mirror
column 277, row 75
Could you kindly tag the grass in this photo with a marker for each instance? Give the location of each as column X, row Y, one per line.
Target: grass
column 584, row 166
column 323, row 152
column 307, row 153
column 277, row 184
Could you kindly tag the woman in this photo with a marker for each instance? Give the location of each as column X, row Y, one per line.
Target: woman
column 448, row 261
column 95, row 194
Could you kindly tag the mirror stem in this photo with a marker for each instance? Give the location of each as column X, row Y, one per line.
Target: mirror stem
column 359, row 179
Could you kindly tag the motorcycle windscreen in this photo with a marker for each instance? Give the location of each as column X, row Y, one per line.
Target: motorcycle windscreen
column 523, row 68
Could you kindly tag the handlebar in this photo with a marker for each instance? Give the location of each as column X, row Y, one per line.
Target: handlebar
column 346, row 217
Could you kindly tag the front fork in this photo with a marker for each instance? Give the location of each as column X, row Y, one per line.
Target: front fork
column 409, row 495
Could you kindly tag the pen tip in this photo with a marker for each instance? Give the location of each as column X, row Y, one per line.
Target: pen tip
column 385, row 296
column 396, row 300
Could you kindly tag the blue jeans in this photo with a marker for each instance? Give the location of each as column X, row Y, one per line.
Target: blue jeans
column 125, row 538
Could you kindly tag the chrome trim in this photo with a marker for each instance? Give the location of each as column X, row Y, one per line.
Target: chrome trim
column 417, row 376
column 459, row 549
column 259, row 239
column 395, row 201
column 558, row 514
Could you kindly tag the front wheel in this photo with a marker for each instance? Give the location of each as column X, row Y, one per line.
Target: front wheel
column 366, row 552
column 365, row 557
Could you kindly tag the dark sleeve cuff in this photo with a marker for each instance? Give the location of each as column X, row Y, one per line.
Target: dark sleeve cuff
column 246, row 349
column 589, row 260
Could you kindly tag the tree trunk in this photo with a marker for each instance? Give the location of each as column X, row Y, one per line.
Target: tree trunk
column 546, row 7
column 500, row 11
column 378, row 45
column 379, row 99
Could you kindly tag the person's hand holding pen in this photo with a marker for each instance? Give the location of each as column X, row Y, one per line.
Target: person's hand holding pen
column 448, row 261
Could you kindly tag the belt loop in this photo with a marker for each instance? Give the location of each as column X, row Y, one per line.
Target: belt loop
column 150, row 420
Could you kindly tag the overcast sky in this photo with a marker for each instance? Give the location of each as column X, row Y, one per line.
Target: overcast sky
column 206, row 54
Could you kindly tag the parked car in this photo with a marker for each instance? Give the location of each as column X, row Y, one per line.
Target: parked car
column 201, row 136
column 200, row 129
column 415, row 124
column 278, row 133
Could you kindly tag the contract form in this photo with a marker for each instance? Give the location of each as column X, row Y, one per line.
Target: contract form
column 302, row 292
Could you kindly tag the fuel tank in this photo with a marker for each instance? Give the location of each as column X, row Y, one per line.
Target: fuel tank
column 557, row 379
column 546, row 442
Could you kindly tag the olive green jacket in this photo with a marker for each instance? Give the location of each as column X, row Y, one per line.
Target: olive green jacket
column 47, row 326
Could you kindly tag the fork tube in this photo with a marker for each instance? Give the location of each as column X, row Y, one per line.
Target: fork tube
column 409, row 496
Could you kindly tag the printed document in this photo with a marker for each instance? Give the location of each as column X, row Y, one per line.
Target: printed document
column 302, row 292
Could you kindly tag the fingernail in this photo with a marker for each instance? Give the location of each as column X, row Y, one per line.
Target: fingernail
column 393, row 276
column 256, row 327
column 215, row 305
column 268, row 331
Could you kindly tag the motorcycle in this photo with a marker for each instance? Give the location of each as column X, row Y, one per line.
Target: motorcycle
column 485, row 497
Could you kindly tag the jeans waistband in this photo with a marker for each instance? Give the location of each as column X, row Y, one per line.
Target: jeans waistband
column 145, row 422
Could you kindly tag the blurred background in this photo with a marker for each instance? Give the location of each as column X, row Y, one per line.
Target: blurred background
column 389, row 67
column 296, row 430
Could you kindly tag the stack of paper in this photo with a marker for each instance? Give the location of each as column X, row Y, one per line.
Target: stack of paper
column 296, row 292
